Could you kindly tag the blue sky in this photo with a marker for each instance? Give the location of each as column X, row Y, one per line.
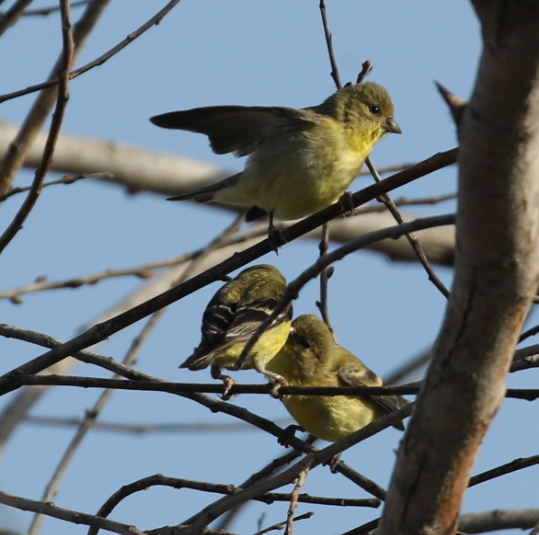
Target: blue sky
column 205, row 53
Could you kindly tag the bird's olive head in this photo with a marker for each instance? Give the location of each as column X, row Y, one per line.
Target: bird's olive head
column 311, row 337
column 365, row 102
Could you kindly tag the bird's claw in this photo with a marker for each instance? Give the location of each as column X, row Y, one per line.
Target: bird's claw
column 333, row 462
column 229, row 383
column 288, row 435
column 276, row 239
column 277, row 382
column 347, row 202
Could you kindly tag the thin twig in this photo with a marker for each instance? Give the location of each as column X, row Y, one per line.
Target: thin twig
column 295, row 495
column 218, row 388
column 324, row 277
column 68, row 179
column 52, row 9
column 75, row 517
column 156, row 19
column 403, row 201
column 266, row 471
column 270, row 497
column 386, row 199
column 281, row 525
column 143, row 429
column 530, row 332
column 11, row 16
column 54, row 131
column 528, row 394
column 513, row 466
column 329, row 43
column 38, row 114
column 324, row 242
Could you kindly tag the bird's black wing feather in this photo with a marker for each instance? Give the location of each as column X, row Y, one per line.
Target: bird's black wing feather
column 238, row 129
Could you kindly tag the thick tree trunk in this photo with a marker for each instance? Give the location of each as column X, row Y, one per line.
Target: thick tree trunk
column 497, row 263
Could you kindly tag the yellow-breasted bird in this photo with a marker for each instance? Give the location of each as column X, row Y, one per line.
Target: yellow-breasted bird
column 301, row 160
column 233, row 315
column 311, row 357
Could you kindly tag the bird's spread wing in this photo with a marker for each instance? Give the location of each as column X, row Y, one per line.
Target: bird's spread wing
column 237, row 129
column 361, row 376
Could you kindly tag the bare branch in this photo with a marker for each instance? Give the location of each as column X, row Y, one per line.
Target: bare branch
column 147, row 428
column 52, row 9
column 70, row 179
column 294, row 498
column 74, row 517
column 57, row 118
column 498, row 519
column 156, row 19
column 177, row 483
column 329, row 44
column 392, row 207
column 11, row 16
column 14, row 157
column 513, row 466
column 324, row 277
column 281, row 525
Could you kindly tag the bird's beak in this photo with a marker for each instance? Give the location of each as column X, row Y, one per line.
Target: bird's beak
column 391, row 126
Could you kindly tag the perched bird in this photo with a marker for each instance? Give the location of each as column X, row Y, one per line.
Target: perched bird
column 311, row 357
column 301, row 160
column 233, row 315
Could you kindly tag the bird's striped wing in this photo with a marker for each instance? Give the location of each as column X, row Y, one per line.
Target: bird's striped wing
column 249, row 316
column 237, row 129
column 361, row 376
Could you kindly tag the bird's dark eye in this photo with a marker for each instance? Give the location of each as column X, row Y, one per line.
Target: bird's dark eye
column 304, row 343
column 374, row 109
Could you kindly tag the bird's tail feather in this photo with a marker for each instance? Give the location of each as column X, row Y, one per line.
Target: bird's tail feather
column 200, row 359
column 206, row 194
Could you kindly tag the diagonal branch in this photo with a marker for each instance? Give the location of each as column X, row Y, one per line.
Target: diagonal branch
column 14, row 157
column 57, row 118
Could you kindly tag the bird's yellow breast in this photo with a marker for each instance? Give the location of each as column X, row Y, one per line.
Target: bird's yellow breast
column 332, row 418
column 327, row 417
column 303, row 172
column 263, row 351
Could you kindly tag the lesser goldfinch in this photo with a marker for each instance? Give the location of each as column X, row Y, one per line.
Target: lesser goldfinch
column 311, row 357
column 301, row 160
column 233, row 315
